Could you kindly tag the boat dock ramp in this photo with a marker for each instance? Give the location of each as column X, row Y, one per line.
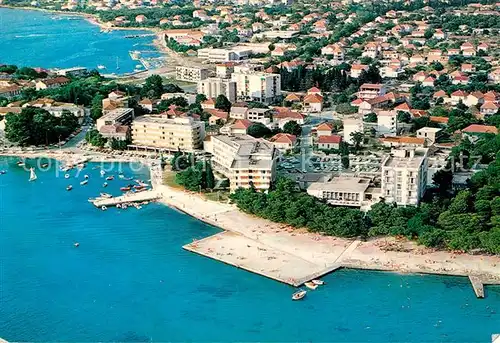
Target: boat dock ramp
column 478, row 286
column 128, row 198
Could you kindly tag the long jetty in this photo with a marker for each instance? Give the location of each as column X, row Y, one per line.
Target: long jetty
column 128, row 198
column 478, row 286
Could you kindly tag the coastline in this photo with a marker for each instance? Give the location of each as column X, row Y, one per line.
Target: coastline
column 317, row 253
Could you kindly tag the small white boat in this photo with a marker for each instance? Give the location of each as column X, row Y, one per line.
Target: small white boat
column 20, row 163
column 84, row 182
column 318, row 282
column 76, row 245
column 311, row 285
column 102, row 172
column 3, row 172
column 106, row 195
column 118, row 206
column 299, row 295
column 104, row 208
column 66, row 176
column 110, row 178
column 86, row 176
column 100, row 66
column 32, row 174
column 69, row 188
column 105, row 184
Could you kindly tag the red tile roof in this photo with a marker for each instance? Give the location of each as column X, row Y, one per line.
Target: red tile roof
column 330, row 139
column 476, row 128
column 283, row 138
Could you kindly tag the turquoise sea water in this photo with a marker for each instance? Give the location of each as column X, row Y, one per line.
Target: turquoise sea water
column 47, row 40
column 131, row 281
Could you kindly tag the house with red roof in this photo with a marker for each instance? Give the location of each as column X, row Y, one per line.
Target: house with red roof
column 404, row 107
column 357, row 69
column 458, row 96
column 477, row 130
column 285, row 115
column 323, row 129
column 313, row 103
column 329, row 142
column 284, row 141
column 240, row 127
column 428, row 81
column 208, row 104
column 488, row 108
column 217, row 116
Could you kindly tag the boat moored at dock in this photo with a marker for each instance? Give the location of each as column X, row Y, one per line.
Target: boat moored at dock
column 299, row 295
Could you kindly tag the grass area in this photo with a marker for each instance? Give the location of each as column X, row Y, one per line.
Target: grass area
column 169, row 179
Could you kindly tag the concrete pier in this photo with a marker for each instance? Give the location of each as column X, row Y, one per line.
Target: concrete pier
column 478, row 286
column 127, row 198
column 256, row 257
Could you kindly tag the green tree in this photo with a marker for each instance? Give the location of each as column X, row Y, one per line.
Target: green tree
column 153, row 87
column 357, row 138
column 223, row 103
column 258, row 130
column 293, row 128
column 371, row 117
column 96, row 110
column 210, row 181
column 93, row 137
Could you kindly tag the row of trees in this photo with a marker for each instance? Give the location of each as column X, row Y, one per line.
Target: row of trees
column 36, row 126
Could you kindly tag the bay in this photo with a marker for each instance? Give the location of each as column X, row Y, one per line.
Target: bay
column 130, row 280
column 49, row 40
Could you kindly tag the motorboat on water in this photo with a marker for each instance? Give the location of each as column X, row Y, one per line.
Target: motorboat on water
column 104, row 208
column 76, row 245
column 69, row 188
column 84, row 182
column 125, row 189
column 3, row 172
column 299, row 295
column 33, row 176
column 105, row 184
column 44, row 165
column 106, row 195
column 139, row 187
column 102, row 172
column 86, row 176
column 110, row 178
column 100, row 66
column 311, row 285
column 20, row 163
column 66, row 176
column 318, row 282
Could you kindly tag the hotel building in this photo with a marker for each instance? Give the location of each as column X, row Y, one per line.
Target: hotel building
column 191, row 74
column 215, row 86
column 404, row 176
column 245, row 161
column 159, row 132
column 257, row 86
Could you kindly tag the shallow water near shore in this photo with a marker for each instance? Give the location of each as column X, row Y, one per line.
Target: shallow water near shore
column 51, row 40
column 130, row 280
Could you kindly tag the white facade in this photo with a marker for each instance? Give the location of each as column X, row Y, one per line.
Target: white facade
column 387, row 123
column 257, row 86
column 191, row 74
column 404, row 176
column 215, row 86
column 352, row 125
column 223, row 55
column 181, row 133
column 245, row 161
column 119, row 116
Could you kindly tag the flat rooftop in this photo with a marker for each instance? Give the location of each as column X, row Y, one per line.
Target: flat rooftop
column 342, row 184
column 396, row 160
column 251, row 152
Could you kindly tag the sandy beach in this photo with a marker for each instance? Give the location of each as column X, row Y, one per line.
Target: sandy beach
column 388, row 254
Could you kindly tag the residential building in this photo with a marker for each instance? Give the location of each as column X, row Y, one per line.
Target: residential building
column 51, row 83
column 387, row 123
column 169, row 134
column 259, row 115
column 328, row 142
column 404, row 176
column 284, row 141
column 430, row 134
column 215, row 86
column 119, row 116
column 371, row 91
column 352, row 125
column 191, row 74
column 257, row 86
column 246, row 161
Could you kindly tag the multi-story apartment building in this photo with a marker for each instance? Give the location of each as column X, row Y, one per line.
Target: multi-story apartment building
column 257, row 86
column 371, row 91
column 352, row 125
column 160, row 132
column 215, row 86
column 245, row 161
column 119, row 116
column 387, row 123
column 404, row 176
column 191, row 74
